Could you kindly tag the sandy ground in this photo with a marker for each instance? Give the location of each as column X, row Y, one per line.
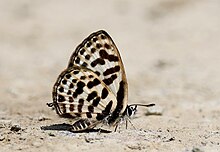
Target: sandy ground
column 171, row 53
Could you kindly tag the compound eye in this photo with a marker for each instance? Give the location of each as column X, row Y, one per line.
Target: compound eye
column 129, row 111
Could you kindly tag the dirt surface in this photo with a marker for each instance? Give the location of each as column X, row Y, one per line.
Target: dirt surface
column 171, row 53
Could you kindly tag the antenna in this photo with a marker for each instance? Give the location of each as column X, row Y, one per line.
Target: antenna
column 143, row 105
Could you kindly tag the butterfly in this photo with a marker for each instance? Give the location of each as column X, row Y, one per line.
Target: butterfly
column 93, row 89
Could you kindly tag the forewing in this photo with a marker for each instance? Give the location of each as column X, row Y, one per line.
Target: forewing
column 79, row 92
column 99, row 54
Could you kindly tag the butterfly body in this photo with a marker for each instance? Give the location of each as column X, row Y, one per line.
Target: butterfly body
column 93, row 89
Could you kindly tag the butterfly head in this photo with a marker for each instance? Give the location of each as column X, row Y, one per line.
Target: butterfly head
column 132, row 109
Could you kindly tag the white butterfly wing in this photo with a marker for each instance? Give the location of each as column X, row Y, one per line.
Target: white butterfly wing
column 99, row 54
column 79, row 92
column 94, row 87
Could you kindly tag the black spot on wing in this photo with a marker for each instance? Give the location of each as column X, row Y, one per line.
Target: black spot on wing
column 68, row 76
column 91, row 76
column 93, row 50
column 82, row 51
column 61, row 98
column 76, row 72
column 91, row 96
column 94, row 39
column 87, row 57
column 61, row 89
column 64, row 81
column 111, row 70
column 90, row 84
column 71, row 85
column 88, row 44
column 100, row 116
column 77, row 61
column 75, row 94
column 79, row 107
column 83, row 77
column 80, row 84
column 93, row 83
column 96, row 82
column 103, row 37
column 107, row 109
column 81, row 101
column 64, row 108
column 89, row 115
column 79, row 91
column 96, row 101
column 105, row 112
column 91, row 108
column 104, row 93
column 98, row 45
column 110, row 80
column 119, row 106
column 71, row 107
column 70, row 99
column 120, row 93
column 69, row 92
column 74, row 80
column 98, row 61
column 103, row 54
column 107, row 46
column 98, row 73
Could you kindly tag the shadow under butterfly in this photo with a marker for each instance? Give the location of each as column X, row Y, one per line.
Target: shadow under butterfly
column 93, row 89
column 68, row 127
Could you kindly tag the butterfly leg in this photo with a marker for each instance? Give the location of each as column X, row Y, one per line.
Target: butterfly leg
column 128, row 120
column 116, row 127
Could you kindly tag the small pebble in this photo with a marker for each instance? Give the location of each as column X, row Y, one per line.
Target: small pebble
column 196, row 150
column 51, row 134
column 134, row 146
column 15, row 127
column 22, row 138
column 42, row 118
column 2, row 138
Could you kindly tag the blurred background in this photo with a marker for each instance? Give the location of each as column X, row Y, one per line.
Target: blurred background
column 170, row 49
